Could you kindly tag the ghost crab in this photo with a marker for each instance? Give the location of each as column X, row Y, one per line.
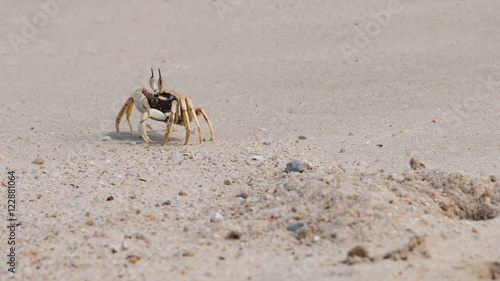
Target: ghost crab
column 161, row 105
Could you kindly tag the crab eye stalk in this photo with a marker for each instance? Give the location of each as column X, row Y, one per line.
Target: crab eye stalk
column 160, row 81
column 152, row 82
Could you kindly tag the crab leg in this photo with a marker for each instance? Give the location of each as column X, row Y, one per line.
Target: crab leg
column 128, row 104
column 129, row 110
column 193, row 115
column 149, row 127
column 199, row 111
column 186, row 119
column 173, row 112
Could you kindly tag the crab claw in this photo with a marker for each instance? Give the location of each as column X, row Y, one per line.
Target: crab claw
column 142, row 127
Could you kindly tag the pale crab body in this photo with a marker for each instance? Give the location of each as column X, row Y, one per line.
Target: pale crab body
column 164, row 106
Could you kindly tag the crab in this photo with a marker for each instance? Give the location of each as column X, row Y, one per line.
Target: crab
column 165, row 106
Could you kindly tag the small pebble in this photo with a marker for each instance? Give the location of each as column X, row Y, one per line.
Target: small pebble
column 493, row 178
column 294, row 166
column 302, row 137
column 233, row 235
column 266, row 143
column 110, row 198
column 307, row 165
column 416, row 164
column 106, row 138
column 216, row 217
column 380, row 145
column 182, row 193
column 358, row 251
column 38, row 161
column 166, row 203
column 90, row 222
column 258, row 158
column 187, row 253
column 227, row 181
column 242, row 195
column 133, row 259
column 295, row 226
column 342, row 150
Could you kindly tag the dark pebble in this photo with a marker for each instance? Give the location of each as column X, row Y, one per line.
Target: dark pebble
column 302, row 137
column 110, row 198
column 233, row 235
column 294, row 166
column 166, row 203
column 380, row 145
column 242, row 195
column 295, row 226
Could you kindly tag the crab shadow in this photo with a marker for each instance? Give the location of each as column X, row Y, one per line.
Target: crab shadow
column 135, row 138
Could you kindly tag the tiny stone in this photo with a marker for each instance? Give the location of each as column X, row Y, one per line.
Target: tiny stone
column 258, row 158
column 342, row 150
column 133, row 259
column 266, row 143
column 187, row 253
column 295, row 226
column 294, row 166
column 242, row 195
column 38, row 161
column 416, row 164
column 90, row 222
column 493, row 178
column 307, row 165
column 106, row 138
column 358, row 251
column 227, row 181
column 24, row 172
column 182, row 193
column 293, row 209
column 302, row 137
column 110, row 198
column 380, row 145
column 166, row 203
column 233, row 235
column 351, row 134
column 216, row 217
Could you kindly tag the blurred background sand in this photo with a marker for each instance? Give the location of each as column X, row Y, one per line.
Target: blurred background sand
column 369, row 85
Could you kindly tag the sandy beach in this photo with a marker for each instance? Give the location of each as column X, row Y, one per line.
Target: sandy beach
column 352, row 90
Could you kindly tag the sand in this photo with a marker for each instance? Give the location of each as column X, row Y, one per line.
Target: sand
column 369, row 86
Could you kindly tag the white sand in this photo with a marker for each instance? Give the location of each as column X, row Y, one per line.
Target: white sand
column 424, row 84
